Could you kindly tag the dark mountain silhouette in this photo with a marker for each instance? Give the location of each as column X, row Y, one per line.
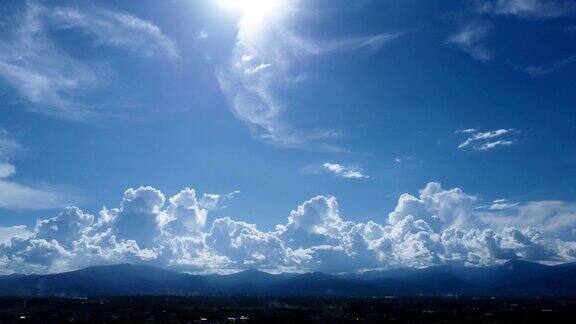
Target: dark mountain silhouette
column 321, row 284
column 425, row 283
column 121, row 279
column 526, row 279
column 248, row 282
column 514, row 278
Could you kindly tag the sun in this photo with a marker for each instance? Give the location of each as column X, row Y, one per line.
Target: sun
column 245, row 5
column 255, row 15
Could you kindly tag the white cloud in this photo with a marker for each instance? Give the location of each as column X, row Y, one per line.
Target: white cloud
column 202, row 35
column 500, row 204
column 439, row 226
column 372, row 42
column 492, row 145
column 465, row 131
column 118, row 29
column 51, row 80
column 259, row 68
column 247, row 58
column 14, row 195
column 555, row 218
column 140, row 216
column 269, row 56
column 537, row 70
column 471, row 39
column 244, row 246
column 483, row 141
column 6, row 233
column 185, row 214
column 528, row 9
column 210, row 201
column 318, row 215
column 344, row 171
column 40, row 72
column 439, row 208
column 18, row 196
column 9, row 146
column 6, row 170
column 66, row 228
column 403, row 159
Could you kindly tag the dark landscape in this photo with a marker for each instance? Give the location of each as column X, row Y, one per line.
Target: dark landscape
column 285, row 310
column 515, row 278
column 517, row 291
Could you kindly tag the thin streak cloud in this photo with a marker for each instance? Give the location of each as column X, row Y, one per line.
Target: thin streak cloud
column 18, row 196
column 537, row 70
column 471, row 39
column 268, row 57
column 344, row 171
column 52, row 81
column 528, row 9
column 484, row 141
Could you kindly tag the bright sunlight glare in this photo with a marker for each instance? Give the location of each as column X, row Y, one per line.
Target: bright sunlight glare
column 246, row 5
column 255, row 15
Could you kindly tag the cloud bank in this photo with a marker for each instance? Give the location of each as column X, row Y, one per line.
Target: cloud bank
column 438, row 226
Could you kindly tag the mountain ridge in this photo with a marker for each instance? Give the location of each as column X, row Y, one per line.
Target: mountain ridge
column 513, row 278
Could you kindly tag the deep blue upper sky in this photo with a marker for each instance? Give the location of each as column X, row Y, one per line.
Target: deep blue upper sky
column 363, row 100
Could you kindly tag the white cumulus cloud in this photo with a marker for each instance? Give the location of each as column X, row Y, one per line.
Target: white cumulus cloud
column 439, row 226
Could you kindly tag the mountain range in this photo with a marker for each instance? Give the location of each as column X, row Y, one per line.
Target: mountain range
column 514, row 278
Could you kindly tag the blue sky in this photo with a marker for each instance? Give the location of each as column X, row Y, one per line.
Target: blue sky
column 263, row 105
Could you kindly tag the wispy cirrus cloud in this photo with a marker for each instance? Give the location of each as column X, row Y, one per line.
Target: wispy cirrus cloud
column 270, row 56
column 48, row 78
column 537, row 70
column 465, row 131
column 499, row 204
column 211, row 201
column 484, row 141
column 117, row 29
column 492, row 145
column 551, row 216
column 344, row 171
column 335, row 169
column 18, row 196
column 51, row 80
column 528, row 9
column 472, row 35
column 9, row 146
column 470, row 38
